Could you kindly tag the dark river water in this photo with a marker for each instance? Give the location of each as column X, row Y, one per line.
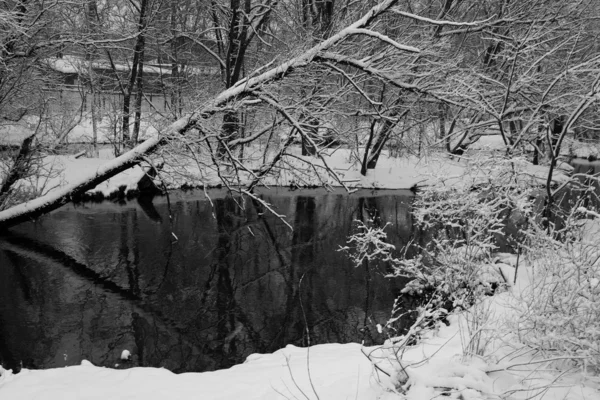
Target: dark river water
column 199, row 293
column 582, row 166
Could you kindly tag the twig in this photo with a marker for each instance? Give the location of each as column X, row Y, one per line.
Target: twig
column 508, row 367
column 307, row 337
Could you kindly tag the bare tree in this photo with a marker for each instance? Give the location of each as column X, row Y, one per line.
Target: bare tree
column 391, row 68
column 249, row 91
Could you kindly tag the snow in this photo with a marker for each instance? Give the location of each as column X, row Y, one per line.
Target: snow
column 391, row 173
column 14, row 133
column 580, row 148
column 69, row 64
column 75, row 65
column 336, row 371
column 488, row 142
column 63, row 170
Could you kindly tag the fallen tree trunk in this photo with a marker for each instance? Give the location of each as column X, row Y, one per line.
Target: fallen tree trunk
column 44, row 204
column 37, row 207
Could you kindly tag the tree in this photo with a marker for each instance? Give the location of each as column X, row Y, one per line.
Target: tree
column 24, row 38
column 394, row 69
column 249, row 91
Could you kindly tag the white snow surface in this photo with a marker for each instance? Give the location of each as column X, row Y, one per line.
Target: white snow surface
column 125, row 355
column 65, row 170
column 69, row 64
column 13, row 133
column 391, row 173
column 337, row 372
column 76, row 65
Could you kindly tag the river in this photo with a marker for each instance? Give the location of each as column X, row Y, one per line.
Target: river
column 196, row 293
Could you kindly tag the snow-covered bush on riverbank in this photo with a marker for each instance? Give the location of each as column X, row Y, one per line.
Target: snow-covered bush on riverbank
column 538, row 335
column 459, row 227
column 560, row 313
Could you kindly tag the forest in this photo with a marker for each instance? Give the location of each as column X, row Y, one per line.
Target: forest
column 240, row 83
column 487, row 110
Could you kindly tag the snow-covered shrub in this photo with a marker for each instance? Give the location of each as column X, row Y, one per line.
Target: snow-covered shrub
column 463, row 221
column 369, row 244
column 560, row 312
column 459, row 224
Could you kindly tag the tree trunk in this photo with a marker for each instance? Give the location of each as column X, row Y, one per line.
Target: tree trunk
column 317, row 16
column 138, row 54
column 93, row 110
column 363, row 167
column 175, row 89
column 19, row 169
column 385, row 132
column 92, row 11
column 236, row 50
column 538, row 146
column 41, row 205
column 312, row 129
column 138, row 101
column 229, row 131
column 382, row 138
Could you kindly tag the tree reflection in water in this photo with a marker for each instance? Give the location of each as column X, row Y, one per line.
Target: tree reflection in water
column 88, row 281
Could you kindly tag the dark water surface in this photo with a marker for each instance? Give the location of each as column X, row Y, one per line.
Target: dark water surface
column 582, row 166
column 588, row 193
column 90, row 280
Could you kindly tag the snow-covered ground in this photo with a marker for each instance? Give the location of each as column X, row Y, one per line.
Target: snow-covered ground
column 60, row 171
column 391, row 172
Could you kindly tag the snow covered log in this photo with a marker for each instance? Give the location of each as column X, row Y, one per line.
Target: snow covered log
column 44, row 204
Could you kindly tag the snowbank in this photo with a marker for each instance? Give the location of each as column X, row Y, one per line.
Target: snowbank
column 298, row 171
column 336, row 372
column 404, row 172
column 480, row 356
column 60, row 171
column 13, row 134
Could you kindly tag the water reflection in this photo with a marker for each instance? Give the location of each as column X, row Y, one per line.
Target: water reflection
column 91, row 280
column 587, row 172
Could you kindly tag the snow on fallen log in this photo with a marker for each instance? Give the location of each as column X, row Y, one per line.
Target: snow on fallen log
column 57, row 198
column 83, row 183
column 44, row 204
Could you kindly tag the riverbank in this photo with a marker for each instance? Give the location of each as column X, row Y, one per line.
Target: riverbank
column 409, row 172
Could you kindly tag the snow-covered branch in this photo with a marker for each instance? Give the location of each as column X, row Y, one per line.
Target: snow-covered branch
column 384, row 38
column 431, row 21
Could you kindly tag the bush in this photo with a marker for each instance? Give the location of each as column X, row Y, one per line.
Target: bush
column 559, row 313
column 459, row 223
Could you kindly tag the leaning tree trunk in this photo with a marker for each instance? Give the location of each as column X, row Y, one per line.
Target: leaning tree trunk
column 41, row 205
column 384, row 134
